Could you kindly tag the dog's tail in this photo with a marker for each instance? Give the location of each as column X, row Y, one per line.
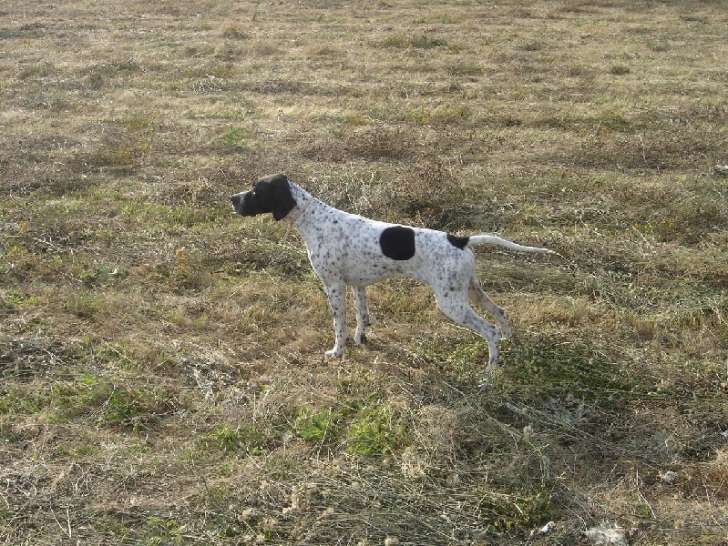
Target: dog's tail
column 510, row 245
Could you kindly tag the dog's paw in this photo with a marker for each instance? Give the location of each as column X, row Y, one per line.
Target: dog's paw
column 360, row 339
column 334, row 353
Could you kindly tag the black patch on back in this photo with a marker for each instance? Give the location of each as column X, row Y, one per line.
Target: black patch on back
column 459, row 242
column 398, row 243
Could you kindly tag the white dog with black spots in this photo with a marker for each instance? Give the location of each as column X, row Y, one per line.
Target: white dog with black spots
column 350, row 250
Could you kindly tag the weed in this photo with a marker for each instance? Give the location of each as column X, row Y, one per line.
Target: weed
column 164, row 531
column 245, row 438
column 375, row 430
column 319, row 427
column 84, row 305
column 506, row 514
column 236, row 137
column 16, row 400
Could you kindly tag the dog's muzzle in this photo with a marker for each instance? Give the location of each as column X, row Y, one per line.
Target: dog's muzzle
column 237, row 201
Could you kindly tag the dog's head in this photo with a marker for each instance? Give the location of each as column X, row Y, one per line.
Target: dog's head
column 270, row 194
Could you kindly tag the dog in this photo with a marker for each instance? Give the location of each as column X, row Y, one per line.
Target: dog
column 349, row 250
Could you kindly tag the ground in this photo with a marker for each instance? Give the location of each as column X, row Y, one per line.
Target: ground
column 162, row 378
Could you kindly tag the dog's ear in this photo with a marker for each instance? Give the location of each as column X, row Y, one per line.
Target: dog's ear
column 283, row 201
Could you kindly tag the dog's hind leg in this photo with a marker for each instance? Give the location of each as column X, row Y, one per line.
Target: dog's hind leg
column 484, row 301
column 456, row 306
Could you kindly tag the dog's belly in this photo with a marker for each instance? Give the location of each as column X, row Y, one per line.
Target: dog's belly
column 371, row 271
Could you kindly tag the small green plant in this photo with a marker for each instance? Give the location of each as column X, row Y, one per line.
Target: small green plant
column 244, row 437
column 505, row 513
column 225, row 437
column 237, row 137
column 375, row 431
column 102, row 275
column 164, row 531
column 84, row 305
column 551, row 367
column 17, row 299
column 319, row 426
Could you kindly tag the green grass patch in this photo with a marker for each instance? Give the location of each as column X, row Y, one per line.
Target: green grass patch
column 237, row 137
column 244, row 438
column 506, row 513
column 109, row 404
column 321, row 426
column 374, row 431
column 546, row 366
column 18, row 400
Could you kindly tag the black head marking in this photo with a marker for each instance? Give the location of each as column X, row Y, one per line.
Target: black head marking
column 398, row 242
column 459, row 242
column 270, row 194
column 283, row 201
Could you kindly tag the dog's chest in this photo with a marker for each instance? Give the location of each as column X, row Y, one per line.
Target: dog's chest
column 349, row 246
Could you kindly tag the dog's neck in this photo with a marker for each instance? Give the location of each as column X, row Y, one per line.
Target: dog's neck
column 306, row 206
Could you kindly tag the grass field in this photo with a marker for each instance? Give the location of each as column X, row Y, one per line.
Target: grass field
column 162, row 378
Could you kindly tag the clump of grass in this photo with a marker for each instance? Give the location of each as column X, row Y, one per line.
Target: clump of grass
column 430, row 190
column 234, row 32
column 18, row 400
column 558, row 368
column 380, row 143
column 187, row 272
column 320, row 426
column 524, row 511
column 464, row 68
column 440, row 18
column 532, row 45
column 690, row 218
column 375, row 430
column 107, row 403
column 36, row 70
column 619, row 69
column 442, row 114
column 237, row 137
column 160, row 530
column 86, row 305
column 124, row 145
column 416, row 41
column 659, row 149
column 244, row 437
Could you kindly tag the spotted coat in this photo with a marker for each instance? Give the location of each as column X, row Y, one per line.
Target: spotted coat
column 350, row 250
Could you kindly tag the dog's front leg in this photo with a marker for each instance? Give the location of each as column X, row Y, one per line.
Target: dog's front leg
column 362, row 313
column 336, row 294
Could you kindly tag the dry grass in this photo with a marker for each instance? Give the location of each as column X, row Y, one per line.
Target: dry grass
column 161, row 377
